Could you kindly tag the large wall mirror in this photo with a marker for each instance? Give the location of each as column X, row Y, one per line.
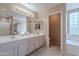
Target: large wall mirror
column 13, row 24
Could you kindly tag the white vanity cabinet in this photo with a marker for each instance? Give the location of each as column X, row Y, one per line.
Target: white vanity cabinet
column 37, row 45
column 31, row 44
column 35, row 42
column 22, row 48
column 8, row 49
column 41, row 40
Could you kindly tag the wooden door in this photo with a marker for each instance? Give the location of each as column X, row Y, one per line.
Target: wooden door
column 54, row 29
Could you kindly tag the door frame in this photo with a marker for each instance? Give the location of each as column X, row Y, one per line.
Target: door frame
column 53, row 13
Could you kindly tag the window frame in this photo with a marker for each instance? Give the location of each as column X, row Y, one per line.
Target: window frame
column 68, row 21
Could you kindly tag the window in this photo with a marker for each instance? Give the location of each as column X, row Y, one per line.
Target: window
column 73, row 18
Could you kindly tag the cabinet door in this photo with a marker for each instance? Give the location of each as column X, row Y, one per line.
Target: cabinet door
column 37, row 40
column 31, row 44
column 8, row 49
column 23, row 47
column 41, row 40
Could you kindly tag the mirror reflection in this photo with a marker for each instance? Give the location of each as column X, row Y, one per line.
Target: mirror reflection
column 19, row 25
column 16, row 23
column 13, row 25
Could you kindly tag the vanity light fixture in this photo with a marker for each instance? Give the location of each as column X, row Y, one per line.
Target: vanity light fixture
column 20, row 11
column 28, row 13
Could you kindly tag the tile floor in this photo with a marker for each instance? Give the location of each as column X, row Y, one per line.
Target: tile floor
column 44, row 51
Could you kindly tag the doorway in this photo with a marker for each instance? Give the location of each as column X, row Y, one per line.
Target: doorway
column 54, row 30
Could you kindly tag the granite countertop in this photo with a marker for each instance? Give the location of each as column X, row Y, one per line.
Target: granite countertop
column 4, row 39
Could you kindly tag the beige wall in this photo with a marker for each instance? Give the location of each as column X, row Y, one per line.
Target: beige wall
column 44, row 16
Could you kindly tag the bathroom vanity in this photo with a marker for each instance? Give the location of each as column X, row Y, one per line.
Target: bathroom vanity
column 20, row 45
column 17, row 30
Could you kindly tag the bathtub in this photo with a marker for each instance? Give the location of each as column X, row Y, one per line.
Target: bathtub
column 72, row 47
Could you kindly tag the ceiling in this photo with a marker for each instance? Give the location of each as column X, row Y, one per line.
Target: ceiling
column 38, row 7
